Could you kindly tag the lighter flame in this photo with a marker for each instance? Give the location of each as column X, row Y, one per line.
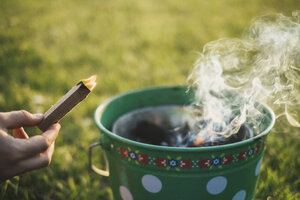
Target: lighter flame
column 90, row 83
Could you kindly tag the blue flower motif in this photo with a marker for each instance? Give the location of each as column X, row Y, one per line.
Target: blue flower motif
column 132, row 155
column 250, row 152
column 173, row 163
column 216, row 161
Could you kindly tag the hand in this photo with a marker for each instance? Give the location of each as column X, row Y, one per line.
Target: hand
column 20, row 154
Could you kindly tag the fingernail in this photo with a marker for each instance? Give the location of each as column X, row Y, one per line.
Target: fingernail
column 58, row 125
column 38, row 115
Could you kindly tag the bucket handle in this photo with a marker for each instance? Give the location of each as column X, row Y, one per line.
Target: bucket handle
column 93, row 167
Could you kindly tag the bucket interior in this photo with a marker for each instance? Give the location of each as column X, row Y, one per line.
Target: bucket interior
column 109, row 112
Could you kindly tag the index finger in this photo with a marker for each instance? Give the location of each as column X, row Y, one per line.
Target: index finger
column 17, row 119
column 40, row 143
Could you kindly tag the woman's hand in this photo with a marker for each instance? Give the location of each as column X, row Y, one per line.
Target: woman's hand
column 20, row 154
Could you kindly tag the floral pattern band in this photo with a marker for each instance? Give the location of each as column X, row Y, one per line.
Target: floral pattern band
column 178, row 163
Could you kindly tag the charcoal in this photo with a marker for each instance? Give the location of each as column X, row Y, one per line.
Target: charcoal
column 147, row 132
column 175, row 126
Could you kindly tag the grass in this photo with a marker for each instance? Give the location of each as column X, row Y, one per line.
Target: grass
column 47, row 46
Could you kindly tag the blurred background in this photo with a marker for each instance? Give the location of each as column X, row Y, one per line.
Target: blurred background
column 46, row 47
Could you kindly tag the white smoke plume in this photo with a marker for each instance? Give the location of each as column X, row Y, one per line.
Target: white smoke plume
column 263, row 65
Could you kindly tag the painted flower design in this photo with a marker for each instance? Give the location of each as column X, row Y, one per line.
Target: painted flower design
column 256, row 149
column 185, row 163
column 242, row 155
column 250, row 152
column 161, row 162
column 177, row 163
column 143, row 158
column 216, row 161
column 124, row 152
column 132, row 155
column 204, row 163
column 227, row 160
column 264, row 142
column 173, row 163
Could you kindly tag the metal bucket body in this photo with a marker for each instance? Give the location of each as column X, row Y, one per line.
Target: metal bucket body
column 143, row 171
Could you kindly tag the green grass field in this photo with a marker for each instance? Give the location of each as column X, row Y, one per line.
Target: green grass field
column 47, row 46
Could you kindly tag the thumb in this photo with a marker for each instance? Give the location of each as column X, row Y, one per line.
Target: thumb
column 17, row 119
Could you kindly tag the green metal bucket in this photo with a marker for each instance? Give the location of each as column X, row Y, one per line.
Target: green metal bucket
column 141, row 171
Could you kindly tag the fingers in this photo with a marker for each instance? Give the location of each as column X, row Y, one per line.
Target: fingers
column 17, row 119
column 40, row 143
column 39, row 161
column 51, row 133
column 22, row 154
column 36, row 162
column 20, row 133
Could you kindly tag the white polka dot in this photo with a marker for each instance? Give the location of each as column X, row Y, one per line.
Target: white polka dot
column 151, row 183
column 241, row 195
column 125, row 193
column 216, row 185
column 257, row 169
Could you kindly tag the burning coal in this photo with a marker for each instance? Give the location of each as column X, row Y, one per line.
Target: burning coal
column 232, row 74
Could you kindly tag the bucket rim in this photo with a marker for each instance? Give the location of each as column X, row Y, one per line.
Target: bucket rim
column 100, row 109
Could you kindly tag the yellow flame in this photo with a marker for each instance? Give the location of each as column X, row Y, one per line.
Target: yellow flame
column 90, row 83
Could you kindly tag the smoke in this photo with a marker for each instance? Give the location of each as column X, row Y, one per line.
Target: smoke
column 263, row 65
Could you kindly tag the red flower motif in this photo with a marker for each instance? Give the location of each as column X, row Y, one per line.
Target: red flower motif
column 227, row 160
column 257, row 148
column 161, row 162
column 264, row 142
column 185, row 163
column 242, row 155
column 204, row 163
column 123, row 152
column 143, row 158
